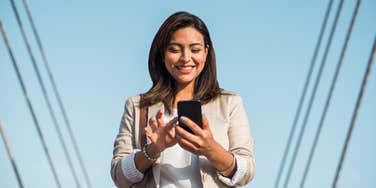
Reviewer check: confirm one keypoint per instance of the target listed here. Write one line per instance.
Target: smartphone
(192, 110)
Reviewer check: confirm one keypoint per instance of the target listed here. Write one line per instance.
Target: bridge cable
(329, 97)
(302, 97)
(313, 94)
(57, 94)
(11, 156)
(355, 114)
(31, 109)
(45, 95)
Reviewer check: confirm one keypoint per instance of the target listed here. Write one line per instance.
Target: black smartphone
(192, 110)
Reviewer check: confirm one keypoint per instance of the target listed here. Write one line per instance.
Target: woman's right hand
(162, 135)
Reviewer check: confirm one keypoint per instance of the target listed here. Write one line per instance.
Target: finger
(171, 123)
(159, 117)
(148, 133)
(185, 144)
(171, 133)
(169, 127)
(153, 124)
(205, 122)
(187, 136)
(192, 125)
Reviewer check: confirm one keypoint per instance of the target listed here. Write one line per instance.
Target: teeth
(185, 67)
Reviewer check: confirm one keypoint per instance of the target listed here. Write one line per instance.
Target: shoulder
(132, 102)
(226, 101)
(225, 105)
(134, 99)
(229, 97)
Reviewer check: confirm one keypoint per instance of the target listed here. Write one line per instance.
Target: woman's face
(185, 55)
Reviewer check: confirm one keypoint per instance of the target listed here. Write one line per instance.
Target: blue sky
(98, 51)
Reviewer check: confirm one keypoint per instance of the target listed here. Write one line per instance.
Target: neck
(184, 92)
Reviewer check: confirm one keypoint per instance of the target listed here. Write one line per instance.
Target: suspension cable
(11, 156)
(45, 95)
(31, 109)
(302, 97)
(313, 94)
(329, 97)
(355, 114)
(57, 94)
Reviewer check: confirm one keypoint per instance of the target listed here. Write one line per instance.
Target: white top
(179, 167)
(183, 172)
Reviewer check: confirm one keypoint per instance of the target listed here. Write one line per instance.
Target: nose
(186, 56)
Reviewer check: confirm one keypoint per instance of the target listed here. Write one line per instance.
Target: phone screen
(192, 110)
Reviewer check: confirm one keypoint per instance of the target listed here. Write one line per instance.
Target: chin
(184, 80)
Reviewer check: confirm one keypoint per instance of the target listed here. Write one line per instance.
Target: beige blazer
(227, 120)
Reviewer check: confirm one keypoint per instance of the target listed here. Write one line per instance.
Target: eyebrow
(180, 45)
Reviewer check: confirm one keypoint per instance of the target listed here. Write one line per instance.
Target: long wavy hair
(164, 85)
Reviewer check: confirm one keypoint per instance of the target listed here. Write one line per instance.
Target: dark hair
(164, 89)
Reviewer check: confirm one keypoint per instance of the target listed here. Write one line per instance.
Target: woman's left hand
(202, 143)
(199, 143)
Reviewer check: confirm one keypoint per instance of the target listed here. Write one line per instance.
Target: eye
(173, 50)
(195, 50)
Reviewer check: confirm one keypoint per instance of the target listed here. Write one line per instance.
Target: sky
(98, 52)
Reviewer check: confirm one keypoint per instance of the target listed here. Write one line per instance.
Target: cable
(56, 92)
(302, 97)
(31, 109)
(329, 97)
(317, 81)
(10, 154)
(355, 114)
(45, 95)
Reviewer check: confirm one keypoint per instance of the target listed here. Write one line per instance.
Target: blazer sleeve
(240, 139)
(123, 144)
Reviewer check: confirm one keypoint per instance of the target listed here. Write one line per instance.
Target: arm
(127, 168)
(240, 139)
(123, 145)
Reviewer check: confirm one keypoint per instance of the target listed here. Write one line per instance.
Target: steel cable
(30, 107)
(313, 94)
(329, 97)
(302, 97)
(57, 94)
(11, 156)
(45, 95)
(355, 114)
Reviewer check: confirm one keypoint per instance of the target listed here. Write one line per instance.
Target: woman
(182, 66)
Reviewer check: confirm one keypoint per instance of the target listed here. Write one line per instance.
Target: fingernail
(182, 118)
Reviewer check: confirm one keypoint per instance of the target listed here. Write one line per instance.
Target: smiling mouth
(184, 67)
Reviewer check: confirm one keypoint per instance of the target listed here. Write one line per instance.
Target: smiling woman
(219, 153)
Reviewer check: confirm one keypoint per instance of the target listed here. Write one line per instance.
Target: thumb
(171, 123)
